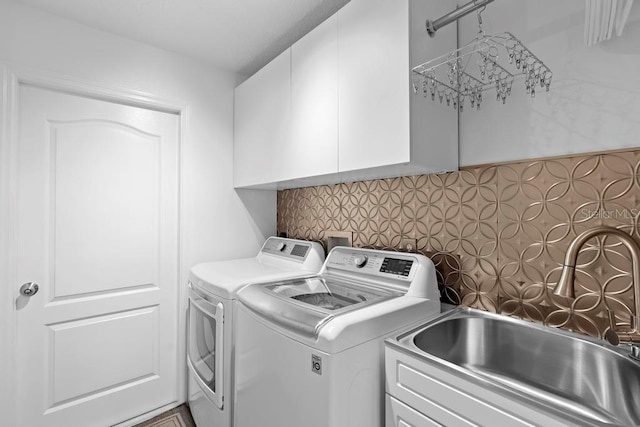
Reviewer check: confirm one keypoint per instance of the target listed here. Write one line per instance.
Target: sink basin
(564, 371)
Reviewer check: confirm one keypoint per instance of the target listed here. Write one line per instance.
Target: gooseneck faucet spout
(565, 285)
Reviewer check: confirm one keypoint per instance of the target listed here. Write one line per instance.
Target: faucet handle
(610, 334)
(633, 321)
(635, 352)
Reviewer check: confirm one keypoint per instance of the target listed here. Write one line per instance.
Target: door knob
(29, 289)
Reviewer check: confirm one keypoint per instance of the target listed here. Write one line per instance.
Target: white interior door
(98, 232)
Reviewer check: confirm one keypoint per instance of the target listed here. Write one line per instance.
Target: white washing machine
(212, 294)
(310, 351)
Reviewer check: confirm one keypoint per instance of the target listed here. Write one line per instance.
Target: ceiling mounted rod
(433, 26)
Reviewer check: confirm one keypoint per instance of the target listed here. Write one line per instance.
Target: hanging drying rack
(466, 73)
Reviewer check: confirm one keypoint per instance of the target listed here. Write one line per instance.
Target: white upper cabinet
(314, 102)
(262, 124)
(381, 122)
(373, 74)
(338, 105)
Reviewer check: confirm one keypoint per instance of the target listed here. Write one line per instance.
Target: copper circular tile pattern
(497, 233)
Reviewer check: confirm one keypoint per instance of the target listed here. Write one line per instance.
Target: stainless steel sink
(566, 372)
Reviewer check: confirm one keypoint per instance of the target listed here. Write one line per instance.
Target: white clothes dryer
(212, 291)
(310, 351)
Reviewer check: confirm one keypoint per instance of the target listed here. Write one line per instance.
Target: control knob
(281, 246)
(360, 261)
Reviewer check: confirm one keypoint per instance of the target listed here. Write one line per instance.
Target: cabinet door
(262, 123)
(314, 100)
(373, 82)
(434, 127)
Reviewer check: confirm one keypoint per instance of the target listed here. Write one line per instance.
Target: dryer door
(205, 346)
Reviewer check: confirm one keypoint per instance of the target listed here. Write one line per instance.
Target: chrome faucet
(565, 287)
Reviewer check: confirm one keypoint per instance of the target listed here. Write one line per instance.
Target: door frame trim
(11, 77)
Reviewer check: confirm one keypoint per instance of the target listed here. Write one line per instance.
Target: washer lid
(306, 304)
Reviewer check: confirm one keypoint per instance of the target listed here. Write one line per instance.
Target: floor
(177, 417)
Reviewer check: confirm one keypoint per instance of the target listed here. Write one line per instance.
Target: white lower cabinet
(421, 394)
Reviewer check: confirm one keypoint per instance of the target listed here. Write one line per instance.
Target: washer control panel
(379, 263)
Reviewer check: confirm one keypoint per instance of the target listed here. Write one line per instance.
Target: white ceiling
(236, 35)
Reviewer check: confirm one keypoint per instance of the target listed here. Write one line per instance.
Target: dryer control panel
(288, 248)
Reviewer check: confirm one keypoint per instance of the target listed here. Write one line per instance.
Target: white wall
(216, 222)
(594, 101)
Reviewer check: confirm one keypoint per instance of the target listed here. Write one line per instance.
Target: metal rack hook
(435, 25)
(479, 10)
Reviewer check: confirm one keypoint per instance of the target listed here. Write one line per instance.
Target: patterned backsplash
(497, 233)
